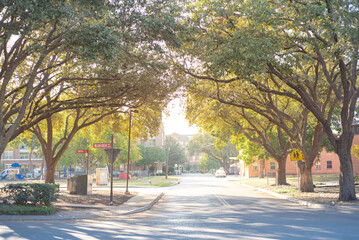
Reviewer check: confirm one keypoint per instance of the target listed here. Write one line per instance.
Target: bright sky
(176, 121)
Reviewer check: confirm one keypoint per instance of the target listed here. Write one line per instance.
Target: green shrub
(26, 210)
(32, 194)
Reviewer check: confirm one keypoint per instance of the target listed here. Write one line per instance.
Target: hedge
(35, 194)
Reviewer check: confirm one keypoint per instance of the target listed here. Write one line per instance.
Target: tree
(150, 155)
(55, 138)
(177, 153)
(221, 152)
(206, 162)
(256, 114)
(307, 51)
(226, 121)
(50, 49)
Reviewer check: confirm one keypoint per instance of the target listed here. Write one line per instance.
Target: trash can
(101, 176)
(81, 184)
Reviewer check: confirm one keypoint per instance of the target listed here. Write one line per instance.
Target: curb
(145, 208)
(111, 212)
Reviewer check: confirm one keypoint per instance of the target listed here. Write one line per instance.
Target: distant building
(21, 155)
(325, 163)
(157, 141)
(193, 160)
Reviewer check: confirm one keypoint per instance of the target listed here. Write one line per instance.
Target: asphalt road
(202, 207)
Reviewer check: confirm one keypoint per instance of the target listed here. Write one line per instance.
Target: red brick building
(326, 163)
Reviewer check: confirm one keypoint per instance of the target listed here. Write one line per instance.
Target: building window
(272, 165)
(318, 164)
(255, 166)
(329, 165)
(8, 155)
(24, 155)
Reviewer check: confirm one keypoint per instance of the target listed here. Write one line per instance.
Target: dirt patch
(98, 198)
(324, 195)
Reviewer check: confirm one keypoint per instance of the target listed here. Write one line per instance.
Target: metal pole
(111, 162)
(128, 153)
(168, 155)
(88, 162)
(298, 178)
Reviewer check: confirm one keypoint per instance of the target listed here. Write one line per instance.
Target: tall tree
(256, 114)
(177, 152)
(50, 48)
(150, 155)
(308, 51)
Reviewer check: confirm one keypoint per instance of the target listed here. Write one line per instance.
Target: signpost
(81, 151)
(102, 145)
(112, 155)
(296, 155)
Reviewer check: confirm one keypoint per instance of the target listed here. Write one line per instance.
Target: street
(201, 207)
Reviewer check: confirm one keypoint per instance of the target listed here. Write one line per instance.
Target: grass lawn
(160, 181)
(155, 181)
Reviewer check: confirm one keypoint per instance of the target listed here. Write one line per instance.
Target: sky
(176, 121)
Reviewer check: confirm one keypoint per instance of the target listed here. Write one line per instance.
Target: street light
(129, 149)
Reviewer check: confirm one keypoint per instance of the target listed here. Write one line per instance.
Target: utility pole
(111, 161)
(168, 156)
(129, 150)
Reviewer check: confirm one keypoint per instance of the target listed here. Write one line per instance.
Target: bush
(32, 194)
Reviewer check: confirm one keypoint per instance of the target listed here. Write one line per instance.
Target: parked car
(220, 173)
(123, 175)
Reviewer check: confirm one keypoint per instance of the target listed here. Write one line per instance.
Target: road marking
(224, 202)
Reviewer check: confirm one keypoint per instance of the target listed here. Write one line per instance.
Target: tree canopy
(307, 51)
(69, 54)
(213, 148)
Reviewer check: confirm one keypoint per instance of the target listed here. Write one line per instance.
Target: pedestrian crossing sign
(296, 155)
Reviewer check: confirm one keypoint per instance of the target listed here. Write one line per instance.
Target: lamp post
(129, 150)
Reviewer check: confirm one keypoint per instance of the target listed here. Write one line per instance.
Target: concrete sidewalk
(138, 203)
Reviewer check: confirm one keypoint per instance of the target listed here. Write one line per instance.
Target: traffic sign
(296, 155)
(81, 151)
(116, 151)
(102, 145)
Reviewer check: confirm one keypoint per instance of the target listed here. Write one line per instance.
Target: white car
(220, 173)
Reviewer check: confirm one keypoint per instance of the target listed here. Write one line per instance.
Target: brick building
(326, 163)
(21, 155)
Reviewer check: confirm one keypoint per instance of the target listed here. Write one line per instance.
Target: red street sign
(81, 151)
(102, 145)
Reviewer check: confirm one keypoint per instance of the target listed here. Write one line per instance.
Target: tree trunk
(280, 178)
(261, 168)
(346, 177)
(50, 172)
(306, 179)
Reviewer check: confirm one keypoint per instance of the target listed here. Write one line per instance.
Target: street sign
(81, 151)
(116, 151)
(296, 155)
(102, 145)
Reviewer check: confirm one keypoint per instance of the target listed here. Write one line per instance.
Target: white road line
(224, 202)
